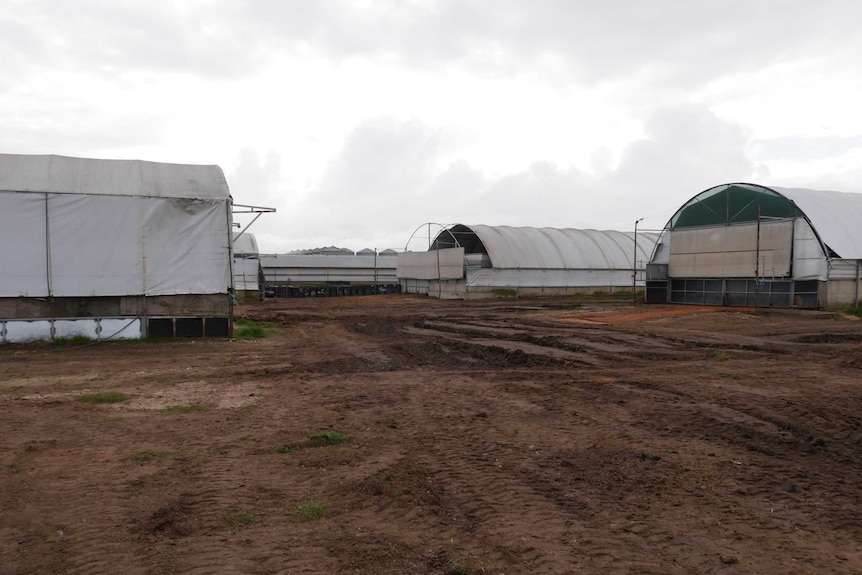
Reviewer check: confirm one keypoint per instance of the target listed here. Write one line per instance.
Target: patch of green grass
(855, 310)
(14, 468)
(330, 437)
(308, 511)
(239, 518)
(104, 397)
(144, 456)
(505, 292)
(719, 355)
(286, 449)
(250, 332)
(186, 407)
(245, 328)
(456, 567)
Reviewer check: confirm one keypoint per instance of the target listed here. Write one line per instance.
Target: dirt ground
(503, 437)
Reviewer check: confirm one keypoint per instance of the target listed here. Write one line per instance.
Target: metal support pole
(858, 273)
(635, 263)
(757, 262)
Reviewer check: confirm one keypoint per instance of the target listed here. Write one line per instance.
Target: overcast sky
(360, 121)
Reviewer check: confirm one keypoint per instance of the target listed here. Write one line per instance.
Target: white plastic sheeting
(570, 249)
(246, 265)
(23, 245)
(65, 175)
(246, 274)
(836, 216)
(732, 251)
(808, 259)
(550, 278)
(286, 269)
(436, 264)
(69, 245)
(245, 245)
(72, 227)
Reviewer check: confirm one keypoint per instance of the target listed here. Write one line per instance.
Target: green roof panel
(733, 203)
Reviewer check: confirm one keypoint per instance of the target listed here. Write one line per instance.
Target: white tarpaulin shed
(555, 248)
(246, 264)
(531, 261)
(89, 228)
(744, 244)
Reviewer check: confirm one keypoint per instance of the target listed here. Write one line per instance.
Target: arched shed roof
(246, 244)
(836, 217)
(66, 175)
(549, 248)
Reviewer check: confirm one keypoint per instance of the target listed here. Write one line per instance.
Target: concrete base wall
(128, 317)
(25, 331)
(841, 293)
(206, 305)
(460, 290)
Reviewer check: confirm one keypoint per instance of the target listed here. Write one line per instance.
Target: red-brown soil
(504, 437)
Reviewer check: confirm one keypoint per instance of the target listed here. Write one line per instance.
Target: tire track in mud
(578, 344)
(598, 450)
(629, 464)
(470, 478)
(556, 496)
(200, 515)
(88, 542)
(711, 420)
(756, 459)
(652, 546)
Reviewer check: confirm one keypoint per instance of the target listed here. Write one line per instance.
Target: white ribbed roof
(835, 216)
(554, 248)
(65, 175)
(246, 244)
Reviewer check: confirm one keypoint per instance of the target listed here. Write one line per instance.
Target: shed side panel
(95, 245)
(731, 251)
(808, 260)
(23, 258)
(435, 264)
(186, 246)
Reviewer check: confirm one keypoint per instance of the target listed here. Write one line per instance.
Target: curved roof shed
(749, 244)
(549, 248)
(467, 261)
(836, 217)
(245, 245)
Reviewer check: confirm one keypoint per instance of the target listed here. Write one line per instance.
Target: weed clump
(308, 511)
(719, 356)
(245, 328)
(330, 437)
(105, 397)
(239, 518)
